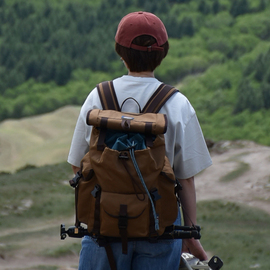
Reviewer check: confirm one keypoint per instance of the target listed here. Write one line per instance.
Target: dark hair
(139, 61)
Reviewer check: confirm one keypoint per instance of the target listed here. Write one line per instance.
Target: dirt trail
(251, 187)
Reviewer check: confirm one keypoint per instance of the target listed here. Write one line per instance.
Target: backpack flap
(146, 123)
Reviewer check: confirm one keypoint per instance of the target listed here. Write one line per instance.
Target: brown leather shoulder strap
(107, 96)
(159, 98)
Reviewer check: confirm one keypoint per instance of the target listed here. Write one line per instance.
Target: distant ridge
(37, 140)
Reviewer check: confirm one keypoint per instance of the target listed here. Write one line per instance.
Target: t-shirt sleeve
(79, 145)
(81, 137)
(191, 153)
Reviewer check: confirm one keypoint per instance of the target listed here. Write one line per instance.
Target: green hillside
(37, 140)
(52, 53)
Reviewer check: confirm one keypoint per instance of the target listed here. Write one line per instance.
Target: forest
(53, 53)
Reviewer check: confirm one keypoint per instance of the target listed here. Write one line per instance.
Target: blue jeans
(142, 255)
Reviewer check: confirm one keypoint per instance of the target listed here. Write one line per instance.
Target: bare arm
(188, 202)
(75, 169)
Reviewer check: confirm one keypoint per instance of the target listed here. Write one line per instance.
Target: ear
(124, 63)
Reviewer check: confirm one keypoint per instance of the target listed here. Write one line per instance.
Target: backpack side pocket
(167, 206)
(86, 201)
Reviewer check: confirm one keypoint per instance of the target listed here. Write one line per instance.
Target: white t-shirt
(185, 144)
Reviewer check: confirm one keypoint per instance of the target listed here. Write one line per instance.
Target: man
(142, 44)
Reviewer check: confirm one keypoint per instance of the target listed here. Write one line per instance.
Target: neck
(142, 74)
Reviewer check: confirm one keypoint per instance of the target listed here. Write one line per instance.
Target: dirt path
(36, 262)
(251, 187)
(28, 252)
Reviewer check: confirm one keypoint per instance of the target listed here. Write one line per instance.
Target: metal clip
(95, 191)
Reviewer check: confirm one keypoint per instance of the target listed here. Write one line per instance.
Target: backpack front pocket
(118, 211)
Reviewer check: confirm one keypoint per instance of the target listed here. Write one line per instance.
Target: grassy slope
(37, 140)
(44, 190)
(33, 204)
(239, 235)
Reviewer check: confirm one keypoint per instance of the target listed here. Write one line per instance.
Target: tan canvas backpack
(126, 186)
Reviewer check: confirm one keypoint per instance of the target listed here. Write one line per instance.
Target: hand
(195, 248)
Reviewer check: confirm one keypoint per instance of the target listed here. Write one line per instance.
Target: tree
(86, 22)
(2, 3)
(259, 68)
(248, 98)
(204, 8)
(23, 9)
(266, 95)
(3, 76)
(47, 10)
(262, 5)
(140, 3)
(150, 6)
(173, 27)
(259, 71)
(33, 67)
(187, 27)
(216, 7)
(239, 7)
(180, 1)
(63, 68)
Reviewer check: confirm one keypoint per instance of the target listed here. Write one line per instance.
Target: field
(37, 140)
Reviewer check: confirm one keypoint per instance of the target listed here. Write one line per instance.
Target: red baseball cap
(141, 23)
